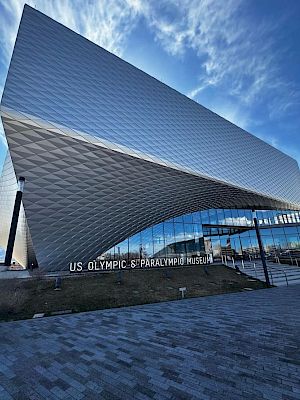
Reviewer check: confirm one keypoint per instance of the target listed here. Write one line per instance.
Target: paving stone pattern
(236, 346)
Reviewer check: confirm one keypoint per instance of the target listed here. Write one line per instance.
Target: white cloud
(106, 22)
(9, 22)
(235, 54)
(232, 55)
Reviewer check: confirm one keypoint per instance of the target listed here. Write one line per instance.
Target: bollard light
(182, 290)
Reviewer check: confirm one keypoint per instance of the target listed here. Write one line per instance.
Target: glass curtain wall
(222, 233)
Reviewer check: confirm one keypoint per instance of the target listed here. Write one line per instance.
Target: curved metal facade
(108, 150)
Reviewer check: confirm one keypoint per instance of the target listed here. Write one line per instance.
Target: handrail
(287, 283)
(255, 270)
(281, 270)
(269, 267)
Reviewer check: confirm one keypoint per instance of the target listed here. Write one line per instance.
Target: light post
(261, 248)
(14, 222)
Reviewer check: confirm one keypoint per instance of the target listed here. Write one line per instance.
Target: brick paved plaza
(234, 346)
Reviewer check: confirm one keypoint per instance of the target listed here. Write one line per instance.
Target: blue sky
(239, 58)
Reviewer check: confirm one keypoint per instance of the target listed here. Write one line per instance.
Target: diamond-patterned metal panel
(107, 150)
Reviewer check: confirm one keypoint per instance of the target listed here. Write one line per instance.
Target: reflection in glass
(186, 236)
(147, 243)
(159, 240)
(121, 250)
(135, 247)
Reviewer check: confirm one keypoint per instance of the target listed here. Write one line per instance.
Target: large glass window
(280, 243)
(235, 217)
(268, 244)
(288, 230)
(216, 248)
(185, 235)
(179, 232)
(278, 231)
(248, 216)
(293, 242)
(135, 246)
(220, 217)
(188, 219)
(159, 240)
(265, 232)
(246, 246)
(169, 239)
(147, 243)
(207, 245)
(212, 217)
(169, 233)
(196, 217)
(121, 250)
(189, 232)
(228, 217)
(204, 217)
(236, 246)
(179, 218)
(180, 239)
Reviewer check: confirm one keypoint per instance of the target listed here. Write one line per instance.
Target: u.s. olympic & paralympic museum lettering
(104, 265)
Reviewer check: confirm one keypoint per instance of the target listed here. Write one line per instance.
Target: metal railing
(274, 271)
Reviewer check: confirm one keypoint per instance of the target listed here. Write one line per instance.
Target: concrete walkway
(237, 346)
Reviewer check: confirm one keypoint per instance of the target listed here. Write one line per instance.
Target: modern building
(110, 153)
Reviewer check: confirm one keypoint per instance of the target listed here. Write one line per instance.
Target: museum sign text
(106, 265)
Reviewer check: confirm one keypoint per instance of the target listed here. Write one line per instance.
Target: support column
(14, 223)
(261, 248)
